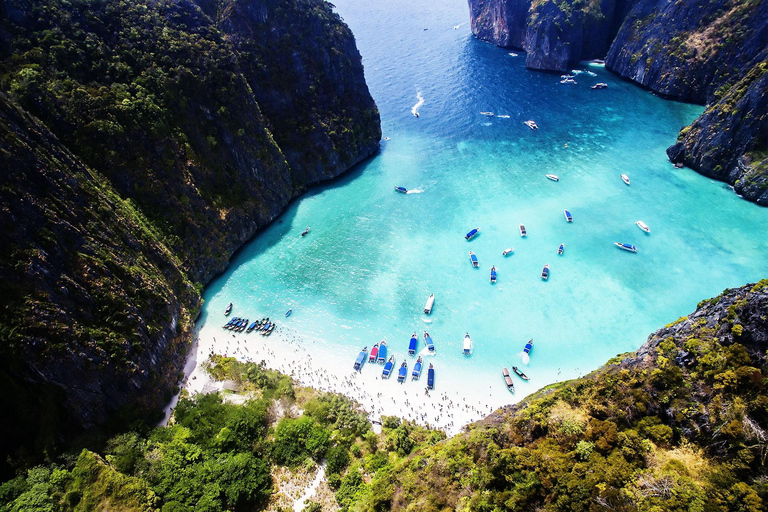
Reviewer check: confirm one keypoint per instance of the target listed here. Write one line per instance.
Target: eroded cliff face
(148, 159)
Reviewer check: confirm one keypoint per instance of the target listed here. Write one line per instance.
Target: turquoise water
(373, 256)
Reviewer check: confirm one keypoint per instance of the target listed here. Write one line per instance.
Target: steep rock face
(729, 141)
(92, 301)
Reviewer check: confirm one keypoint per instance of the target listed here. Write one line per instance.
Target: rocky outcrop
(156, 138)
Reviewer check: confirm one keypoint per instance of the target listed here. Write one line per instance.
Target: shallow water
(373, 256)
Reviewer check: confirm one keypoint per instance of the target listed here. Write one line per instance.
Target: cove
(373, 256)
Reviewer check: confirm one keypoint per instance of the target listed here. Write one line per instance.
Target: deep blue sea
(373, 256)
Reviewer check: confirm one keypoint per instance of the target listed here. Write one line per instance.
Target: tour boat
(531, 124)
(489, 114)
(561, 249)
(643, 226)
(512, 54)
(428, 342)
(288, 313)
(545, 272)
(416, 373)
(361, 358)
(402, 373)
(473, 259)
(625, 178)
(382, 352)
(467, 345)
(431, 377)
(552, 177)
(429, 304)
(568, 216)
(387, 371)
(523, 232)
(304, 233)
(520, 373)
(252, 327)
(374, 353)
(472, 234)
(269, 331)
(229, 310)
(402, 190)
(626, 247)
(507, 251)
(508, 380)
(568, 81)
(528, 346)
(412, 344)
(503, 116)
(600, 85)
(493, 274)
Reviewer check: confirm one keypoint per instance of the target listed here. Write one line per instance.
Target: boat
(382, 352)
(625, 178)
(269, 331)
(416, 373)
(600, 85)
(566, 76)
(304, 233)
(402, 190)
(467, 345)
(412, 344)
(402, 373)
(626, 247)
(493, 274)
(545, 272)
(489, 114)
(361, 358)
(265, 328)
(387, 371)
(552, 177)
(561, 249)
(520, 373)
(288, 313)
(531, 124)
(528, 346)
(642, 225)
(473, 259)
(229, 310)
(523, 232)
(503, 116)
(568, 81)
(507, 251)
(430, 303)
(512, 54)
(428, 342)
(472, 234)
(431, 377)
(568, 216)
(374, 353)
(508, 380)
(252, 327)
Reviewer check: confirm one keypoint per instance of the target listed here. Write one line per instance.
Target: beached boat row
(389, 365)
(263, 326)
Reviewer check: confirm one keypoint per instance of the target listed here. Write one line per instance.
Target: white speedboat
(430, 303)
(600, 85)
(489, 114)
(473, 259)
(625, 178)
(467, 345)
(568, 216)
(625, 247)
(642, 225)
(523, 232)
(531, 124)
(545, 272)
(507, 251)
(552, 177)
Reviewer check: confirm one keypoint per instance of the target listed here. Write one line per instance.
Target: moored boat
(402, 373)
(489, 114)
(428, 342)
(412, 344)
(361, 359)
(473, 233)
(642, 225)
(552, 177)
(568, 216)
(626, 247)
(252, 327)
(416, 373)
(545, 272)
(374, 353)
(528, 346)
(493, 274)
(430, 303)
(382, 352)
(304, 233)
(467, 345)
(561, 249)
(473, 259)
(402, 190)
(508, 380)
(520, 373)
(288, 313)
(523, 231)
(269, 331)
(431, 377)
(388, 367)
(600, 85)
(531, 124)
(507, 251)
(229, 310)
(625, 178)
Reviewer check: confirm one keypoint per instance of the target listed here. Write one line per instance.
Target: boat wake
(525, 357)
(417, 106)
(415, 191)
